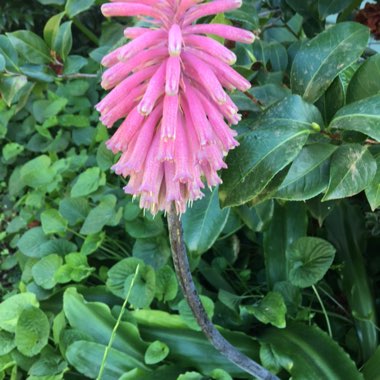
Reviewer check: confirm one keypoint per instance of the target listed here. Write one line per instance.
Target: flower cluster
(169, 86)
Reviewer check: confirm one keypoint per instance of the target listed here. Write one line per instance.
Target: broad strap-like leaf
(273, 143)
(320, 60)
(362, 116)
(310, 353)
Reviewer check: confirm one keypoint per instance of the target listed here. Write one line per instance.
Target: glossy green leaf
(327, 7)
(52, 27)
(366, 80)
(12, 150)
(92, 243)
(31, 46)
(32, 331)
(9, 53)
(74, 7)
(271, 309)
(346, 230)
(86, 183)
(352, 169)
(361, 116)
(2, 63)
(309, 259)
(203, 223)
(156, 352)
(31, 242)
(308, 351)
(373, 190)
(309, 173)
(254, 164)
(12, 307)
(320, 60)
(11, 86)
(153, 251)
(64, 40)
(53, 222)
(74, 210)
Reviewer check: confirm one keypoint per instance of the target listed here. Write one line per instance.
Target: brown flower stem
(190, 293)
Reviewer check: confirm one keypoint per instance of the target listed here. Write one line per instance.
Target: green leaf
(271, 309)
(203, 223)
(308, 350)
(373, 190)
(32, 331)
(153, 251)
(86, 183)
(11, 86)
(144, 228)
(120, 277)
(320, 60)
(9, 53)
(45, 109)
(309, 174)
(64, 40)
(87, 356)
(53, 222)
(92, 243)
(371, 369)
(44, 270)
(99, 216)
(32, 47)
(346, 229)
(269, 359)
(166, 284)
(187, 315)
(37, 172)
(190, 376)
(361, 116)
(74, 210)
(12, 307)
(74, 7)
(7, 343)
(2, 63)
(83, 316)
(156, 352)
(352, 169)
(284, 128)
(327, 7)
(366, 80)
(309, 259)
(12, 150)
(51, 28)
(31, 241)
(289, 223)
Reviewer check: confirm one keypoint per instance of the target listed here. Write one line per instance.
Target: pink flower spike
(153, 92)
(225, 31)
(169, 83)
(173, 76)
(175, 41)
(169, 118)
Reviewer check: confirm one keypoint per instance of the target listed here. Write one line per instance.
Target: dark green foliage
(284, 253)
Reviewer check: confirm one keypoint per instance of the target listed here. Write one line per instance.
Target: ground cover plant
(284, 252)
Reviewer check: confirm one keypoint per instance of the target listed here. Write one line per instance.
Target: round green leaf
(166, 284)
(7, 343)
(156, 352)
(53, 222)
(12, 307)
(32, 331)
(44, 270)
(309, 259)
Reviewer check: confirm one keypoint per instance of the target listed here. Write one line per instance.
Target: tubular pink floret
(169, 84)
